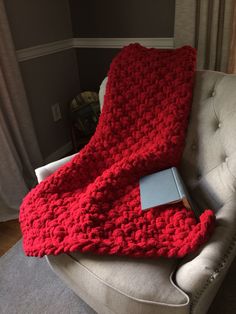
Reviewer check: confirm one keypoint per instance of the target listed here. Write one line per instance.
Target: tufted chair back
(209, 160)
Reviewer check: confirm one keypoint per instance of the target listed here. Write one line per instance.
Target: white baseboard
(62, 45)
(59, 153)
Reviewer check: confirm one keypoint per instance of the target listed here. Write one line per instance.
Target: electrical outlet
(56, 112)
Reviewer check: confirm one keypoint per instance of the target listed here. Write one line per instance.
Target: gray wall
(49, 79)
(112, 18)
(123, 18)
(55, 78)
(35, 22)
(93, 66)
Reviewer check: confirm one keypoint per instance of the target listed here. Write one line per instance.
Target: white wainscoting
(62, 45)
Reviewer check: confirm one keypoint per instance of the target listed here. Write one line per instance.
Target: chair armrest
(45, 171)
(102, 91)
(196, 275)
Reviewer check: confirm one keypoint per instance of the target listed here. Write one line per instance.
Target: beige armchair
(163, 286)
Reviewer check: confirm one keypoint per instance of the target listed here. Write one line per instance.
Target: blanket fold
(92, 203)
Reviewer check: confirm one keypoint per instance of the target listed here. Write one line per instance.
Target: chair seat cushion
(123, 285)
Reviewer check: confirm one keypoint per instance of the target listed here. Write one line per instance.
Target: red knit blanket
(92, 204)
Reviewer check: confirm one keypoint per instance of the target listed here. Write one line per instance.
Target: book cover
(164, 187)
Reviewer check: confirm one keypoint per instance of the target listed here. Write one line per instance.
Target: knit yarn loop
(92, 203)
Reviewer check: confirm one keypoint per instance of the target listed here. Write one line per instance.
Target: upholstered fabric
(102, 91)
(123, 285)
(209, 159)
(208, 168)
(47, 170)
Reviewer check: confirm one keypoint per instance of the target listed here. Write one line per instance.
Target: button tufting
(199, 176)
(213, 93)
(194, 147)
(219, 125)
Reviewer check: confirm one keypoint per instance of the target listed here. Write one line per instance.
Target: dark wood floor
(9, 234)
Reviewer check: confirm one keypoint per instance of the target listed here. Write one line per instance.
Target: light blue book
(164, 187)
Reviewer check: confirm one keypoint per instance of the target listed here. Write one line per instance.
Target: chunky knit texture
(92, 204)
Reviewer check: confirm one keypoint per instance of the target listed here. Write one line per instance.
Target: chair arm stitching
(213, 276)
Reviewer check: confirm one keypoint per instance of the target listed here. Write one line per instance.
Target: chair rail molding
(121, 42)
(44, 49)
(62, 45)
